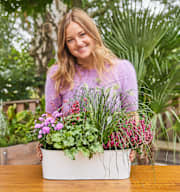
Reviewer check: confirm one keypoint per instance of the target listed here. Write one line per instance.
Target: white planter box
(108, 165)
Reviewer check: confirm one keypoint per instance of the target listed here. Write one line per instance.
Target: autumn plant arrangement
(93, 124)
(73, 133)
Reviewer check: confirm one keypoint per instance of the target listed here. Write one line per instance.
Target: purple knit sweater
(122, 74)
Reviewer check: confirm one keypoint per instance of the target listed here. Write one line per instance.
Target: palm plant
(134, 34)
(151, 41)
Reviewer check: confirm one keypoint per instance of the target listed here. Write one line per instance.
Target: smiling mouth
(82, 49)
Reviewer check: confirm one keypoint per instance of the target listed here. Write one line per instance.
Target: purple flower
(52, 121)
(56, 114)
(58, 126)
(41, 119)
(39, 136)
(37, 126)
(45, 130)
(49, 119)
(46, 123)
(44, 115)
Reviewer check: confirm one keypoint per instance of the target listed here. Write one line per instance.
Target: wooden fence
(21, 105)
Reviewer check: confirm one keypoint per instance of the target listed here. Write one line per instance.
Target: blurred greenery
(17, 75)
(17, 71)
(19, 125)
(30, 7)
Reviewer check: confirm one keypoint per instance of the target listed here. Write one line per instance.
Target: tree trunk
(44, 43)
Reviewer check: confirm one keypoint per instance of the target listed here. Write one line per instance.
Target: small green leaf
(69, 142)
(56, 137)
(85, 151)
(57, 146)
(90, 138)
(71, 153)
(97, 148)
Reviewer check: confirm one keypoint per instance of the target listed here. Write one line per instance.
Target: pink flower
(117, 144)
(112, 143)
(37, 126)
(45, 130)
(41, 119)
(58, 126)
(49, 119)
(39, 136)
(56, 114)
(46, 123)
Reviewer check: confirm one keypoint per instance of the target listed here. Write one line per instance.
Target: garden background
(147, 33)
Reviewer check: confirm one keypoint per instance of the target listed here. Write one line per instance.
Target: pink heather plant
(129, 135)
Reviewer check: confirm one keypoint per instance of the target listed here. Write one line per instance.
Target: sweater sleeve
(52, 100)
(129, 98)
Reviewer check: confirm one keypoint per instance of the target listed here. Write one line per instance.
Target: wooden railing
(21, 105)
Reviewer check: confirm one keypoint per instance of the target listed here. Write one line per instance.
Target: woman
(83, 58)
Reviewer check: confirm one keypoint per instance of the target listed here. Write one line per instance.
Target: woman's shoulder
(52, 70)
(123, 65)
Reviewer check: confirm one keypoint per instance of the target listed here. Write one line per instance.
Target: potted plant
(92, 140)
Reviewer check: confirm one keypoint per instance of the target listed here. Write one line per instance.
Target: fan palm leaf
(134, 34)
(151, 41)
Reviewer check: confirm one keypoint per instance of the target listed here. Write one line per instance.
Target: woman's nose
(79, 42)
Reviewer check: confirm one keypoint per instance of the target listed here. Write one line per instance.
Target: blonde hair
(66, 61)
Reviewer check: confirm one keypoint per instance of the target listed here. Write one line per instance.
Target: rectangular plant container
(112, 164)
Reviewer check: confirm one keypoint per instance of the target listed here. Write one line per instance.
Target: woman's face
(79, 43)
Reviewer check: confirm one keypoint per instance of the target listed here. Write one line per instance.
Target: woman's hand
(132, 155)
(39, 152)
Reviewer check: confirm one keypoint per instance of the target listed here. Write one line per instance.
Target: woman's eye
(69, 40)
(82, 34)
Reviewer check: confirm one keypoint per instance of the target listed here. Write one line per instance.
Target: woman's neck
(86, 63)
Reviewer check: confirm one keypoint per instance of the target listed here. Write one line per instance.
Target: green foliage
(6, 32)
(31, 7)
(17, 71)
(40, 109)
(169, 3)
(19, 127)
(3, 121)
(151, 41)
(17, 75)
(134, 34)
(78, 135)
